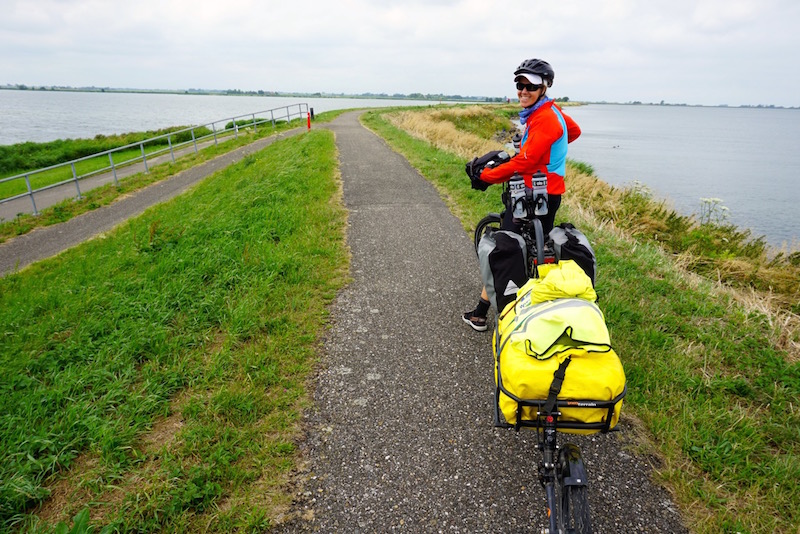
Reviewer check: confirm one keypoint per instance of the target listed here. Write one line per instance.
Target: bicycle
(562, 472)
(538, 252)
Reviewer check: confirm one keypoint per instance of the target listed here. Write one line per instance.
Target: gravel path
(400, 436)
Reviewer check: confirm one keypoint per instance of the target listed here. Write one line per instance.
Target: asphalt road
(400, 435)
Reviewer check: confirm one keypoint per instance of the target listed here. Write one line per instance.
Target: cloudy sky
(681, 51)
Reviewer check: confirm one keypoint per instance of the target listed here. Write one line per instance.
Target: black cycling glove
(474, 173)
(476, 166)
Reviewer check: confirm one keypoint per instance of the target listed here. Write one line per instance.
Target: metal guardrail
(272, 116)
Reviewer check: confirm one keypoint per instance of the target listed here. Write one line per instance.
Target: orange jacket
(544, 148)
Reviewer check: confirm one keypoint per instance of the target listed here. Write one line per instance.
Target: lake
(747, 157)
(41, 116)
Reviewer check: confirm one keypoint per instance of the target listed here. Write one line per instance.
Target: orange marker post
(309, 120)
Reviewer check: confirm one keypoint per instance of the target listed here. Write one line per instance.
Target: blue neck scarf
(526, 112)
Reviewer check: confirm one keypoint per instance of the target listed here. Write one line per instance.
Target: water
(41, 116)
(747, 157)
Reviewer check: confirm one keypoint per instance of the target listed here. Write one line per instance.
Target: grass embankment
(715, 382)
(65, 150)
(26, 157)
(154, 376)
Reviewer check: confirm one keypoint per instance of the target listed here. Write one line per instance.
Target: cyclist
(546, 132)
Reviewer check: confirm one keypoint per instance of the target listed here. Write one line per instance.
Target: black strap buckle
(555, 386)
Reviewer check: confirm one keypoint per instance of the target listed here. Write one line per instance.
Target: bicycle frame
(555, 464)
(547, 465)
(531, 230)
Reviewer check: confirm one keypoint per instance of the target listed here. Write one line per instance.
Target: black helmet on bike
(539, 67)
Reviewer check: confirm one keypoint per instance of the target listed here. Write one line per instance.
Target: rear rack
(602, 426)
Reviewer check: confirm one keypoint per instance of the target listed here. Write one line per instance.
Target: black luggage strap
(555, 386)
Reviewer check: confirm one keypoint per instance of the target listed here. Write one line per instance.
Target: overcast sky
(681, 51)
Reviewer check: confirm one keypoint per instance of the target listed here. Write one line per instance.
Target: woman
(547, 131)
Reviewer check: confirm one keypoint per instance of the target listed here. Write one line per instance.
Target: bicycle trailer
(552, 343)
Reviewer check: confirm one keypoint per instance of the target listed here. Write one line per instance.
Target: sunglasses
(529, 86)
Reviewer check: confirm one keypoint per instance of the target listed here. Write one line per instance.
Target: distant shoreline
(371, 96)
(237, 92)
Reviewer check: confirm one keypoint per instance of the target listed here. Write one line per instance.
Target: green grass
(707, 245)
(200, 316)
(102, 196)
(707, 378)
(25, 157)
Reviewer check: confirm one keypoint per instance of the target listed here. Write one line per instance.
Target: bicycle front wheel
(575, 518)
(574, 510)
(490, 221)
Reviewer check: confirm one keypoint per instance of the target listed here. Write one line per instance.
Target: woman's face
(526, 97)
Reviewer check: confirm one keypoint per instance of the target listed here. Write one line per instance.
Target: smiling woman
(543, 151)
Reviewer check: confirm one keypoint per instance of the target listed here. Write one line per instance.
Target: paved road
(49, 241)
(400, 437)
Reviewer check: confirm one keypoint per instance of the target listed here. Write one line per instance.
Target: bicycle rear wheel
(490, 221)
(574, 510)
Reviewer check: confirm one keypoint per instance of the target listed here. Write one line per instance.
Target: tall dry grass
(763, 279)
(437, 128)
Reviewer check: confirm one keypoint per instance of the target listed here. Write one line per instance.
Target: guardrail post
(255, 126)
(194, 140)
(214, 129)
(144, 159)
(272, 117)
(30, 193)
(113, 169)
(75, 177)
(235, 129)
(171, 152)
